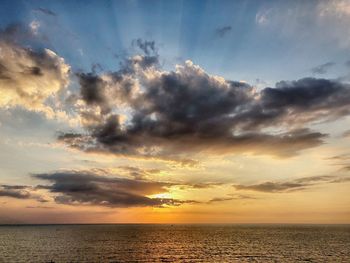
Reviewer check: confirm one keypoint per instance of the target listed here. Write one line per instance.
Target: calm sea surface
(174, 243)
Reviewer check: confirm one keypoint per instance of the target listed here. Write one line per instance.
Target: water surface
(175, 243)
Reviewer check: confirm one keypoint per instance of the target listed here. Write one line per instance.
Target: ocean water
(175, 243)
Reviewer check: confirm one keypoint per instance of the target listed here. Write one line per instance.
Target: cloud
(139, 173)
(16, 33)
(342, 160)
(263, 17)
(29, 77)
(298, 103)
(272, 187)
(315, 25)
(337, 8)
(322, 69)
(223, 31)
(19, 192)
(148, 47)
(45, 11)
(92, 89)
(34, 26)
(91, 188)
(144, 111)
(39, 207)
(293, 185)
(229, 198)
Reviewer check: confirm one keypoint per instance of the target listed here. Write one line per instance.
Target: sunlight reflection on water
(174, 243)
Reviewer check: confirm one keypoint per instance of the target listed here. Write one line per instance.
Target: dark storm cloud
(222, 31)
(89, 188)
(322, 69)
(293, 185)
(45, 11)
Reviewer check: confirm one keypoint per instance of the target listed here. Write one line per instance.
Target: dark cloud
(23, 35)
(322, 69)
(298, 102)
(173, 114)
(45, 11)
(15, 33)
(20, 192)
(13, 187)
(272, 187)
(223, 31)
(89, 188)
(230, 198)
(14, 193)
(221, 199)
(92, 89)
(148, 47)
(293, 185)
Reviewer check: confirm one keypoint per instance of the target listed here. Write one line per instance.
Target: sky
(174, 111)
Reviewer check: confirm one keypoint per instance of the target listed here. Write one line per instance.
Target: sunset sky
(175, 111)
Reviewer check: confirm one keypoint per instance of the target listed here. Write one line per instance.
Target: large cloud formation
(29, 77)
(142, 110)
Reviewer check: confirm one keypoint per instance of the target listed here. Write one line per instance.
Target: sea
(174, 243)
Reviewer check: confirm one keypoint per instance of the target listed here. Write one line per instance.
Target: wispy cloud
(230, 198)
(45, 11)
(322, 69)
(223, 31)
(293, 185)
